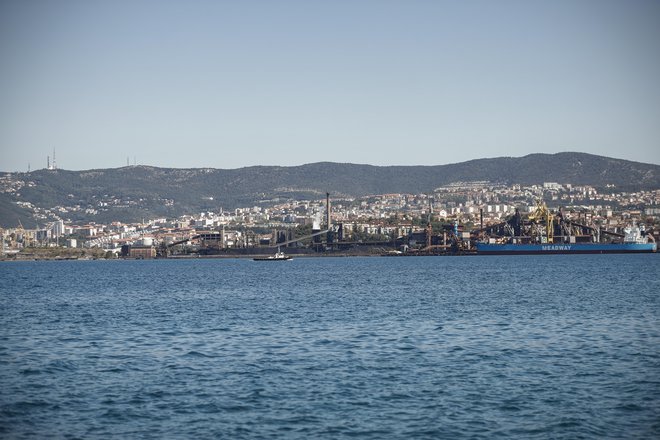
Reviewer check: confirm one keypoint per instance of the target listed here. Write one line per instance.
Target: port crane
(543, 226)
(543, 220)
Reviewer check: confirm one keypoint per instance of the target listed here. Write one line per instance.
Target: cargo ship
(546, 233)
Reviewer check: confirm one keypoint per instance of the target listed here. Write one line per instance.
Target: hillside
(132, 193)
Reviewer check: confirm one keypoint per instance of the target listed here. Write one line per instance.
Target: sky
(229, 84)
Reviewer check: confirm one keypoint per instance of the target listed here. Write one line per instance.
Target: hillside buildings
(382, 217)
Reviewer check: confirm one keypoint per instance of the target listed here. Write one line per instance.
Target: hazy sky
(228, 84)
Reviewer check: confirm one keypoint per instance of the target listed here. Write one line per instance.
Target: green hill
(132, 193)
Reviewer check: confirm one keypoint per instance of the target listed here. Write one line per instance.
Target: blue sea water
(527, 347)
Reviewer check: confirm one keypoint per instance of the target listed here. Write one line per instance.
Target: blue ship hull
(565, 248)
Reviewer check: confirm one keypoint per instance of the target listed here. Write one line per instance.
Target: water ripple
(331, 348)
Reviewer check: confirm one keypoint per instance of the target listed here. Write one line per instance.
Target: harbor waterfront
(579, 248)
(534, 346)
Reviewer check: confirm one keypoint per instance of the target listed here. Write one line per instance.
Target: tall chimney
(327, 212)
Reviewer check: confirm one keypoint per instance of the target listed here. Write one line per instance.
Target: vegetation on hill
(136, 192)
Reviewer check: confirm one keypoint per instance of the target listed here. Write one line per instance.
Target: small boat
(279, 256)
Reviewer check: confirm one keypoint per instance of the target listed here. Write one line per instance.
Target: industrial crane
(541, 215)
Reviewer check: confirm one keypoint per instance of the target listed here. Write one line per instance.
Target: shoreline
(233, 256)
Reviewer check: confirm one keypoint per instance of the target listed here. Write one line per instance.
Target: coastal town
(444, 219)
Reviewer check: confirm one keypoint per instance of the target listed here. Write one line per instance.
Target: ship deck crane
(542, 214)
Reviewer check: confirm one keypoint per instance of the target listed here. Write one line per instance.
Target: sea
(466, 347)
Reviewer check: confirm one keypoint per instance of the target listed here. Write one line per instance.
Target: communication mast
(49, 165)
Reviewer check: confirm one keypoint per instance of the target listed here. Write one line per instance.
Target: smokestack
(327, 212)
(430, 210)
